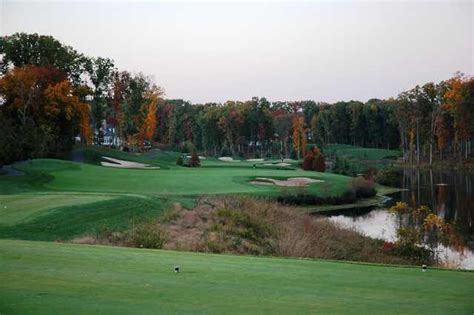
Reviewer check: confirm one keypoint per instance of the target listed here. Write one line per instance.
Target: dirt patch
(290, 182)
(126, 164)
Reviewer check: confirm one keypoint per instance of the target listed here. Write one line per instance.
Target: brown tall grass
(243, 225)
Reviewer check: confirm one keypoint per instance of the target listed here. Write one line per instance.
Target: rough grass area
(242, 225)
(53, 278)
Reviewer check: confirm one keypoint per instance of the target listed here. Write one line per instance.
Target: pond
(449, 194)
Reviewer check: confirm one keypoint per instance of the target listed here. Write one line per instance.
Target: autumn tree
(148, 126)
(67, 113)
(40, 104)
(299, 136)
(21, 49)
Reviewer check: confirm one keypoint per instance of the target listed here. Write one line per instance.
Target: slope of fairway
(21, 208)
(67, 222)
(52, 278)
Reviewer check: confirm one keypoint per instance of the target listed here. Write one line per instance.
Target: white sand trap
(255, 160)
(277, 164)
(200, 157)
(228, 159)
(126, 164)
(290, 182)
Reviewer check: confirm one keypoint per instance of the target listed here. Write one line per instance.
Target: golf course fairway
(55, 278)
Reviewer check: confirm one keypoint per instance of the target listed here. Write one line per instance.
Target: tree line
(50, 94)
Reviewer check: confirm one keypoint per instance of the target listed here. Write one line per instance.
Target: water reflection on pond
(451, 196)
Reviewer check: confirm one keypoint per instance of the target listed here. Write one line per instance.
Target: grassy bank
(52, 278)
(58, 200)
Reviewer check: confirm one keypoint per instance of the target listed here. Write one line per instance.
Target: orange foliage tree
(299, 136)
(149, 110)
(62, 104)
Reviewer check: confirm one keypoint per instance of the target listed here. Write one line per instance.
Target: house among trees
(111, 137)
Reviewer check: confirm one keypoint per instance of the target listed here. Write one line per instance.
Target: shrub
(388, 177)
(180, 161)
(344, 167)
(370, 173)
(314, 161)
(194, 161)
(225, 151)
(308, 162)
(319, 163)
(299, 196)
(147, 235)
(363, 188)
(242, 225)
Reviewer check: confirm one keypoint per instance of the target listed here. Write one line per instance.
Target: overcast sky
(323, 51)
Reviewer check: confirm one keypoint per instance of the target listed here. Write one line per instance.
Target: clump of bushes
(314, 161)
(194, 160)
(344, 167)
(242, 232)
(180, 161)
(299, 196)
(363, 188)
(147, 235)
(225, 151)
(388, 177)
(420, 241)
(243, 225)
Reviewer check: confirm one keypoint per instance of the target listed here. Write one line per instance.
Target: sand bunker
(255, 160)
(290, 182)
(228, 159)
(200, 157)
(126, 164)
(277, 164)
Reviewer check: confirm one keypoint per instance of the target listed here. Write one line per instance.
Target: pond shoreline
(379, 199)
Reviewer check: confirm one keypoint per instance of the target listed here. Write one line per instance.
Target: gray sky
(213, 51)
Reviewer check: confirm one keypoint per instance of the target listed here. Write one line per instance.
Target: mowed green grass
(71, 221)
(80, 177)
(54, 278)
(20, 208)
(61, 200)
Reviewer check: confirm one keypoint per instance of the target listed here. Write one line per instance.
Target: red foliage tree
(314, 161)
(194, 161)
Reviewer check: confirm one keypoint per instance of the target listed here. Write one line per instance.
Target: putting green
(54, 278)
